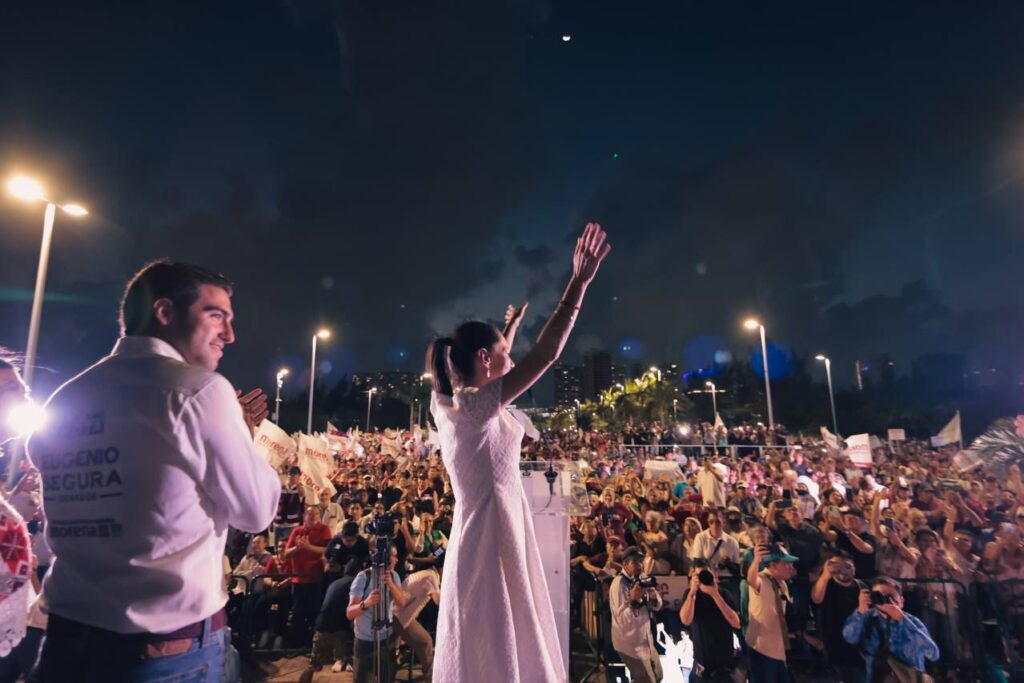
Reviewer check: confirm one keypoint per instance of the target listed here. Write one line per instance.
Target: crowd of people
(796, 557)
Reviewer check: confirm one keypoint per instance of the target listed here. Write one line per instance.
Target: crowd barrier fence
(979, 630)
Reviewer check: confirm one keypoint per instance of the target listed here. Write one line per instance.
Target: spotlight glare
(26, 418)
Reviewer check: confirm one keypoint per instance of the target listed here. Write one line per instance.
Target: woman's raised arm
(586, 259)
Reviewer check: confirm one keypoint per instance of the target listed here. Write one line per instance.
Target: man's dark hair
(163, 279)
(350, 528)
(892, 583)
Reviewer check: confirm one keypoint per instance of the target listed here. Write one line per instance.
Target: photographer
(837, 594)
(893, 641)
(345, 546)
(632, 599)
(363, 598)
(712, 621)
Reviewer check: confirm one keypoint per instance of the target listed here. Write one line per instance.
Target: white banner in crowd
(273, 443)
(662, 469)
(673, 590)
(830, 439)
(858, 449)
(897, 435)
(949, 434)
(876, 442)
(316, 463)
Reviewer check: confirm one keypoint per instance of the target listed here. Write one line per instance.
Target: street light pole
(277, 398)
(831, 394)
(675, 410)
(37, 297)
(29, 190)
(321, 334)
(714, 398)
(752, 325)
(369, 405)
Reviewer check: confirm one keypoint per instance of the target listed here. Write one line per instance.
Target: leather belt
(62, 626)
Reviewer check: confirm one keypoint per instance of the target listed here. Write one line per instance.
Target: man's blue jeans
(87, 659)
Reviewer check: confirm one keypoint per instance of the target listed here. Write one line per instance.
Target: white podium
(552, 507)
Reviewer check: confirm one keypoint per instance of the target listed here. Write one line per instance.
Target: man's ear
(163, 311)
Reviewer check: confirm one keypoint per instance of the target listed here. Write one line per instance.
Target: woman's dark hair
(163, 279)
(468, 338)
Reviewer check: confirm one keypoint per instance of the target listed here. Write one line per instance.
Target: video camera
(382, 527)
(643, 580)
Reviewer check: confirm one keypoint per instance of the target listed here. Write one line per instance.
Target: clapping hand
(254, 407)
(590, 251)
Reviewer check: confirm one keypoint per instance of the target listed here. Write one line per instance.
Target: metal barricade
(245, 610)
(1000, 609)
(948, 610)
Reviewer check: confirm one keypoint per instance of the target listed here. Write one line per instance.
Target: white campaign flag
(718, 420)
(830, 439)
(391, 443)
(950, 433)
(331, 429)
(316, 464)
(662, 469)
(876, 442)
(858, 449)
(273, 443)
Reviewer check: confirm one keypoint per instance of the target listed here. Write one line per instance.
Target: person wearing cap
(746, 500)
(767, 633)
(333, 639)
(631, 606)
(290, 506)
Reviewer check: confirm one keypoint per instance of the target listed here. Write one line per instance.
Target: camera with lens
(643, 580)
(382, 524)
(879, 598)
(706, 577)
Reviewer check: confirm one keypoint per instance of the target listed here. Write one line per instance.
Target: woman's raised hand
(590, 251)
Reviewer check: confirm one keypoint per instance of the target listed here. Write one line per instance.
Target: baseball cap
(632, 553)
(778, 553)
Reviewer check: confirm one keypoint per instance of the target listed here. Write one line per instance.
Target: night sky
(852, 175)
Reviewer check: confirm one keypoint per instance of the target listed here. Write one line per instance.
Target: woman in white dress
(495, 621)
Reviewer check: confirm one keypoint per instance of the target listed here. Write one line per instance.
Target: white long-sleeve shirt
(631, 626)
(145, 462)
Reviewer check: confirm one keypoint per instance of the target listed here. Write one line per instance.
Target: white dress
(495, 619)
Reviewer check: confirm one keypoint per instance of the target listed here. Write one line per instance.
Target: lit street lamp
(281, 374)
(369, 405)
(714, 398)
(831, 396)
(675, 410)
(29, 190)
(321, 334)
(753, 324)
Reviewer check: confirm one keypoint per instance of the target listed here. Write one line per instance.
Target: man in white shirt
(146, 461)
(631, 605)
(711, 485)
(720, 550)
